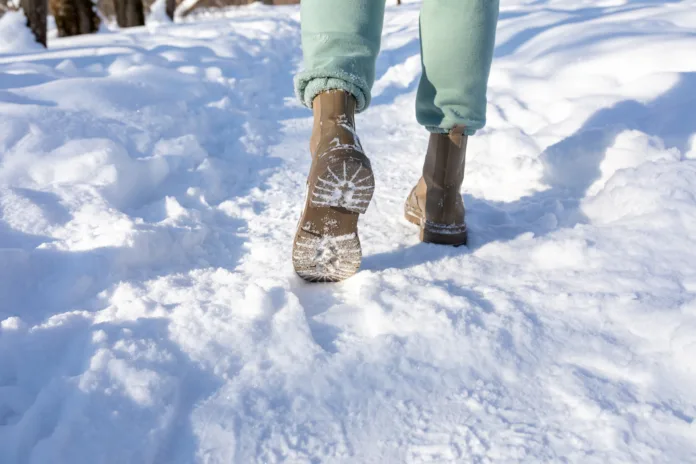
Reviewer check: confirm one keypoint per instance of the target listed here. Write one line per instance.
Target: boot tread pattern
(347, 184)
(327, 258)
(327, 247)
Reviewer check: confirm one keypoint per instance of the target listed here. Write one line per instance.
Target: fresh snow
(150, 184)
(15, 36)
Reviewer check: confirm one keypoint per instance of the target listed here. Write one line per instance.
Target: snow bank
(15, 36)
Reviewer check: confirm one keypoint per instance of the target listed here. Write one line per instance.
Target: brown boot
(339, 189)
(435, 203)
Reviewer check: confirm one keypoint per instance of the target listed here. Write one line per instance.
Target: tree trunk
(74, 17)
(129, 13)
(36, 12)
(171, 6)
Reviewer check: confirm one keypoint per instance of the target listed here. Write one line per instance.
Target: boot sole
(453, 237)
(327, 246)
(347, 184)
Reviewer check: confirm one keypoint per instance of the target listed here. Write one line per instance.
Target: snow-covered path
(150, 182)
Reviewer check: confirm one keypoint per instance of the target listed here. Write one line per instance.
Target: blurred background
(74, 17)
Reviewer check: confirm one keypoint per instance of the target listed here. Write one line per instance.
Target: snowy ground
(150, 182)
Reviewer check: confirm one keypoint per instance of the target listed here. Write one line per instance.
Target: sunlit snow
(150, 185)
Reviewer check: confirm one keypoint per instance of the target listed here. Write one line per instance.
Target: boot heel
(326, 258)
(346, 183)
(455, 236)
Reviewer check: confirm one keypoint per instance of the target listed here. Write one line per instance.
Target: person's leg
(340, 42)
(457, 41)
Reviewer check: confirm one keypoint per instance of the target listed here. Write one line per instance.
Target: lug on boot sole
(347, 184)
(437, 234)
(327, 247)
(326, 258)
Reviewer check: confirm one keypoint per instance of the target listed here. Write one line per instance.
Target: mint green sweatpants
(341, 40)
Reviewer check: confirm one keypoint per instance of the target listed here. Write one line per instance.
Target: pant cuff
(442, 130)
(309, 84)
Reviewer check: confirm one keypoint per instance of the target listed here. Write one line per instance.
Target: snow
(150, 184)
(158, 13)
(14, 35)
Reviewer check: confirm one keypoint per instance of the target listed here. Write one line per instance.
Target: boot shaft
(445, 159)
(435, 203)
(334, 122)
